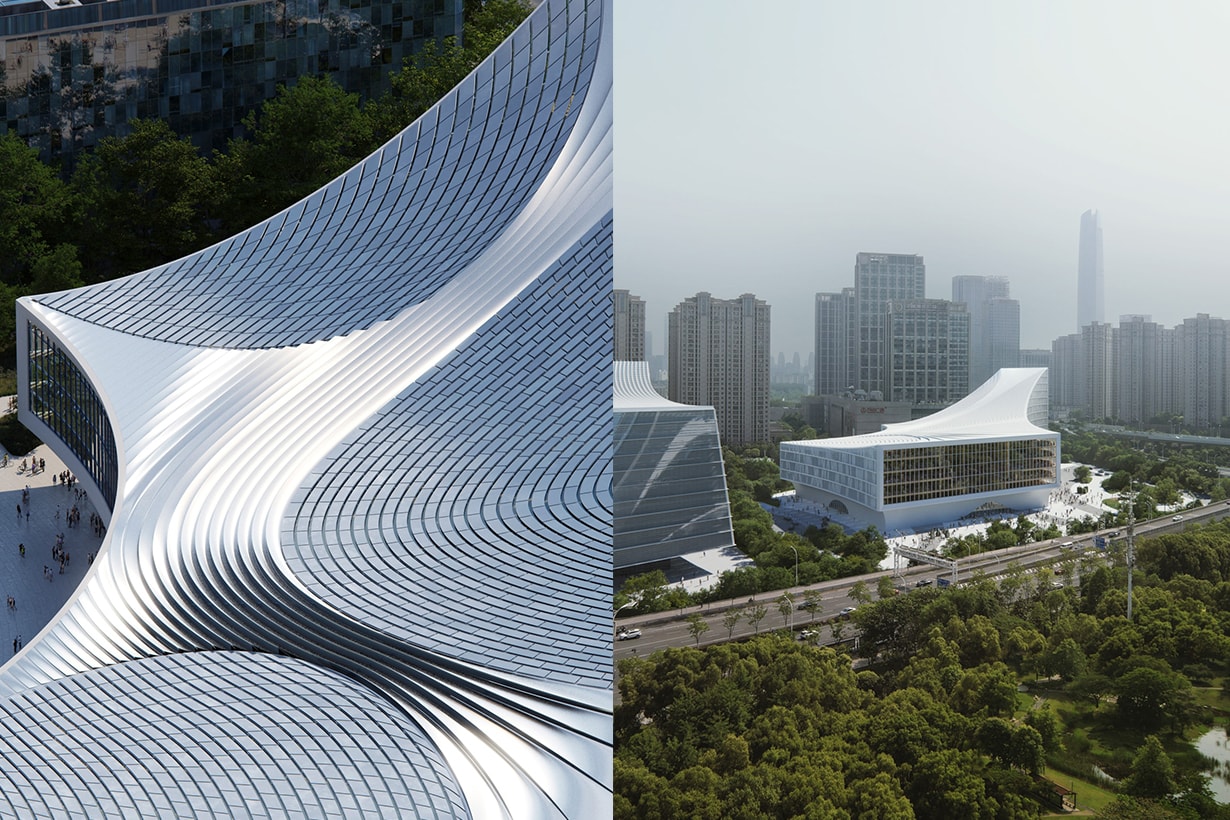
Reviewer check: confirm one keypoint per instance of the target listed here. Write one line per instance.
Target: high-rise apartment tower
(719, 356)
(628, 326)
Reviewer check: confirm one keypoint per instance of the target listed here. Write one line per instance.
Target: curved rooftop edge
(361, 457)
(1013, 402)
(634, 390)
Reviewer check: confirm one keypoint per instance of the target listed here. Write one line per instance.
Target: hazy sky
(760, 146)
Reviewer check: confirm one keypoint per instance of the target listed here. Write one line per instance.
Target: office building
(354, 467)
(1090, 279)
(668, 481)
(834, 319)
(879, 279)
(848, 415)
(75, 71)
(928, 358)
(1037, 357)
(988, 453)
(994, 324)
(719, 356)
(628, 326)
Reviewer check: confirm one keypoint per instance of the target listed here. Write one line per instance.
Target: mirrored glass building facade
(668, 480)
(355, 465)
(989, 451)
(75, 71)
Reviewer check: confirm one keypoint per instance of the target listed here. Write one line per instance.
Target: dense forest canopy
(937, 726)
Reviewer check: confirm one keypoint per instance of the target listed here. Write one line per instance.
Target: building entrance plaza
(35, 581)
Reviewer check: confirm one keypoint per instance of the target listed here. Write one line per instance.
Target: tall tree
(34, 206)
(302, 138)
(143, 199)
(434, 70)
(860, 593)
(697, 626)
(755, 615)
(1152, 772)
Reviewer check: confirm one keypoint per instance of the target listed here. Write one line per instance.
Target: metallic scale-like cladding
(361, 454)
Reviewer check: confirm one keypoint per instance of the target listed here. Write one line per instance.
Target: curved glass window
(62, 397)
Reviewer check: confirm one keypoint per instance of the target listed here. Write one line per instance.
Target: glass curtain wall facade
(71, 75)
(61, 396)
(922, 473)
(668, 481)
(668, 486)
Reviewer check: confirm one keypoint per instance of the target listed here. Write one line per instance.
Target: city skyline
(972, 136)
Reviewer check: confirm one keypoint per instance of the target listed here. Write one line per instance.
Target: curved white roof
(999, 408)
(361, 463)
(634, 390)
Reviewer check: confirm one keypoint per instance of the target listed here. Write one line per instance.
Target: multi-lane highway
(664, 629)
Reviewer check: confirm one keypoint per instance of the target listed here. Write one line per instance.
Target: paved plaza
(38, 595)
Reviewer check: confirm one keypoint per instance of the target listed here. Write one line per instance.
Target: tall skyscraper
(834, 318)
(880, 278)
(928, 360)
(1090, 285)
(994, 325)
(719, 356)
(628, 326)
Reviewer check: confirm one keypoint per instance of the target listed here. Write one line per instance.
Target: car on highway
(1177, 518)
(809, 634)
(809, 605)
(1056, 585)
(625, 634)
(922, 582)
(846, 611)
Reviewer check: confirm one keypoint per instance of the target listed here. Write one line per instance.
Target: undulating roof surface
(1005, 405)
(361, 455)
(389, 233)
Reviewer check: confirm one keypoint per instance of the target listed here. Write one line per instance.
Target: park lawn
(1212, 696)
(1088, 794)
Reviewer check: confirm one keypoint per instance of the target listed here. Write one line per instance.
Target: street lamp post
(796, 563)
(636, 599)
